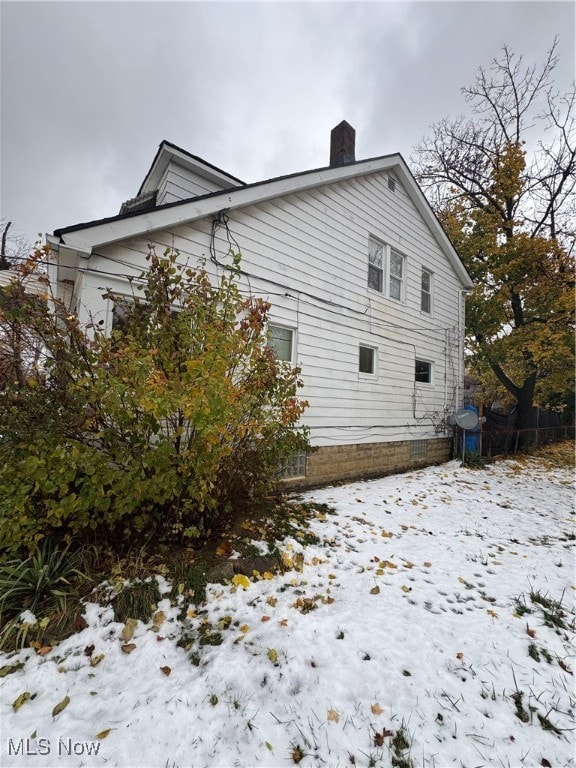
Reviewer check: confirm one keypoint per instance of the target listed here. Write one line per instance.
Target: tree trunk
(526, 413)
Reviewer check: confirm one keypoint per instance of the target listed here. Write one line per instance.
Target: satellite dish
(466, 419)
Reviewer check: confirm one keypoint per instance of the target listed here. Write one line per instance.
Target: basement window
(418, 449)
(295, 466)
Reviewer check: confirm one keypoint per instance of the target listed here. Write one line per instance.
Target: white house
(367, 291)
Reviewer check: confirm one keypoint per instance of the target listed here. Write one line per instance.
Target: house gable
(177, 175)
(85, 237)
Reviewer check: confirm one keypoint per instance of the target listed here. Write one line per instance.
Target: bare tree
(14, 248)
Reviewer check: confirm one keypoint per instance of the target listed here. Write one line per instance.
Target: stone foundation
(331, 464)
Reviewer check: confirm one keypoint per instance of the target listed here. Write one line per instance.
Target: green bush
(167, 427)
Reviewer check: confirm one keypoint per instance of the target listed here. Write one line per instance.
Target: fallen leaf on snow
(166, 670)
(333, 715)
(376, 709)
(241, 581)
(103, 734)
(158, 620)
(492, 613)
(375, 590)
(128, 648)
(265, 618)
(128, 629)
(17, 703)
(460, 655)
(379, 737)
(61, 706)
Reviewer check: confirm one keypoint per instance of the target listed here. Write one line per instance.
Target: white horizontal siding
(179, 183)
(311, 248)
(33, 284)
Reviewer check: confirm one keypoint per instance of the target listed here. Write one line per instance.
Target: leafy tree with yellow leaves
(508, 205)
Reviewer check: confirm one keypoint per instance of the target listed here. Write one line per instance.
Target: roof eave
(107, 231)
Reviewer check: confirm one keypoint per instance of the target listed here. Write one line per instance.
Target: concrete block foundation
(331, 464)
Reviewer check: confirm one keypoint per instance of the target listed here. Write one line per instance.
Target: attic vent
(391, 183)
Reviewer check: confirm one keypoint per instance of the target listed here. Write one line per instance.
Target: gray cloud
(90, 89)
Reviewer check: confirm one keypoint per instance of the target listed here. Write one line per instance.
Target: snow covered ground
(414, 635)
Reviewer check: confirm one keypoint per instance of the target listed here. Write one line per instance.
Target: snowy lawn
(423, 629)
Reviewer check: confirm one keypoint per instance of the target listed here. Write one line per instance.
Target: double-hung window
(386, 270)
(396, 280)
(426, 292)
(375, 265)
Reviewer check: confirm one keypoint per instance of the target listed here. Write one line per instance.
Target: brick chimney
(342, 144)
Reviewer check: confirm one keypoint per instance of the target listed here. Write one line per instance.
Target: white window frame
(431, 368)
(393, 276)
(365, 374)
(373, 268)
(292, 330)
(429, 293)
(387, 277)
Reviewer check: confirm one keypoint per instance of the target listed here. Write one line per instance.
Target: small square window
(367, 360)
(418, 449)
(295, 466)
(426, 292)
(281, 341)
(375, 265)
(123, 309)
(423, 372)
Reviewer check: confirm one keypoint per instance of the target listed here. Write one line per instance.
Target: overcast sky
(89, 89)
